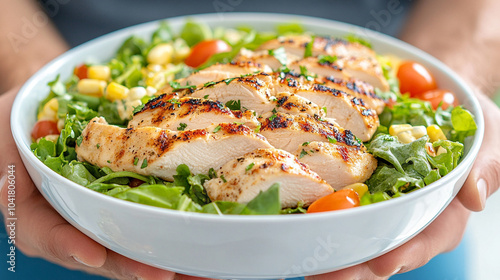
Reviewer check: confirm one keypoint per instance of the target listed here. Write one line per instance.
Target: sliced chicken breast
(265, 58)
(219, 72)
(287, 132)
(346, 110)
(242, 179)
(295, 104)
(366, 69)
(338, 164)
(158, 152)
(296, 45)
(188, 113)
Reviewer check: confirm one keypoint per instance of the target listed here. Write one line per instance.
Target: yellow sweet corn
(418, 131)
(405, 137)
(395, 129)
(99, 72)
(91, 87)
(181, 50)
(161, 54)
(115, 91)
(359, 188)
(49, 111)
(435, 133)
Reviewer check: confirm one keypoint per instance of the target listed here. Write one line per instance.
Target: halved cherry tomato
(81, 71)
(343, 199)
(202, 51)
(43, 128)
(437, 96)
(415, 78)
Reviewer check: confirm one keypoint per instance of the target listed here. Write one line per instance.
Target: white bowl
(241, 246)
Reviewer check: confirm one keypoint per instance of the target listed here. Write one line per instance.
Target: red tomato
(202, 51)
(437, 96)
(43, 128)
(415, 79)
(343, 199)
(81, 71)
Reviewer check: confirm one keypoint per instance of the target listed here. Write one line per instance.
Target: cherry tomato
(415, 79)
(43, 128)
(437, 96)
(202, 51)
(343, 199)
(81, 71)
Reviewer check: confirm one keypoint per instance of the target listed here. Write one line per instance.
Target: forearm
(28, 40)
(463, 34)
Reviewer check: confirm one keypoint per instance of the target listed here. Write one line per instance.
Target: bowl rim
(249, 18)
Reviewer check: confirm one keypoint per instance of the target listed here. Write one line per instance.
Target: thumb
(484, 178)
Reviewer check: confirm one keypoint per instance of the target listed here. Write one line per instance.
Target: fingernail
(482, 189)
(396, 271)
(2, 181)
(82, 262)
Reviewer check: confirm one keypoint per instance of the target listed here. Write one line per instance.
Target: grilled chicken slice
(296, 45)
(357, 89)
(188, 113)
(158, 152)
(366, 69)
(264, 58)
(348, 111)
(287, 132)
(219, 72)
(294, 104)
(246, 176)
(338, 164)
(253, 92)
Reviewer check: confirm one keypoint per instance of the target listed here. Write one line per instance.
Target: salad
(235, 121)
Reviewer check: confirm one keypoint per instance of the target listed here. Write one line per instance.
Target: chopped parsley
(332, 140)
(309, 47)
(274, 111)
(211, 173)
(250, 166)
(280, 55)
(355, 39)
(305, 73)
(136, 160)
(209, 84)
(174, 101)
(144, 163)
(108, 161)
(324, 109)
(234, 105)
(322, 59)
(182, 126)
(223, 179)
(271, 118)
(302, 153)
(97, 145)
(137, 109)
(217, 128)
(228, 80)
(205, 97)
(306, 143)
(257, 129)
(177, 87)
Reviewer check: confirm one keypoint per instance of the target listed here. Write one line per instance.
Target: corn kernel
(435, 133)
(91, 87)
(395, 129)
(115, 91)
(405, 137)
(161, 54)
(150, 91)
(50, 137)
(136, 93)
(359, 188)
(99, 72)
(419, 131)
(181, 50)
(49, 111)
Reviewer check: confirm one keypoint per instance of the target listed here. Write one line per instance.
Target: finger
(50, 236)
(440, 236)
(121, 267)
(484, 178)
(358, 272)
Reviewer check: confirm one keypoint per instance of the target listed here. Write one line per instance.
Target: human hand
(42, 232)
(447, 230)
